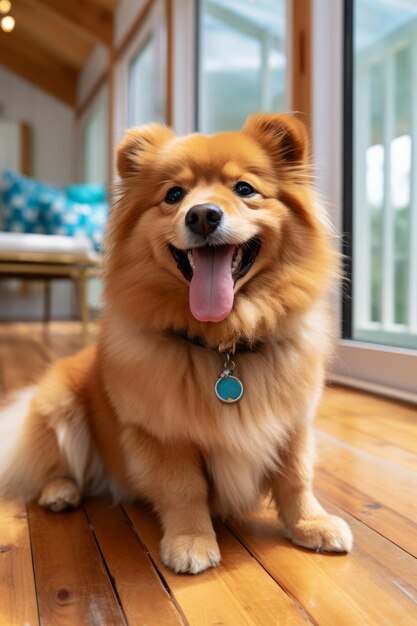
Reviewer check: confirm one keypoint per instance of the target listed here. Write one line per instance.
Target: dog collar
(242, 345)
(228, 388)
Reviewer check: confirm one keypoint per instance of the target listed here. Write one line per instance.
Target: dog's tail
(44, 435)
(13, 414)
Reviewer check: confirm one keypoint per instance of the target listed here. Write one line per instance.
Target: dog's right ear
(140, 146)
(284, 136)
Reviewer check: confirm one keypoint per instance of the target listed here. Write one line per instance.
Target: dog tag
(228, 388)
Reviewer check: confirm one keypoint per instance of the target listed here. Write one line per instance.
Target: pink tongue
(211, 290)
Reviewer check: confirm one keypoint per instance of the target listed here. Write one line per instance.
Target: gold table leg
(83, 303)
(47, 302)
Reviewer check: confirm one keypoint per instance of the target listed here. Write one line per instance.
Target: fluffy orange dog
(218, 252)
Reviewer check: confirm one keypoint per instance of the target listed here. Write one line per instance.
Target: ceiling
(52, 40)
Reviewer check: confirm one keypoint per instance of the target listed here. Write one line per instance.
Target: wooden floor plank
(365, 437)
(145, 600)
(339, 400)
(369, 510)
(336, 589)
(22, 363)
(18, 604)
(72, 584)
(389, 484)
(400, 566)
(238, 591)
(387, 420)
(62, 345)
(57, 339)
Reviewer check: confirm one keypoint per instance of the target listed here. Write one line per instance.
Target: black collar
(242, 345)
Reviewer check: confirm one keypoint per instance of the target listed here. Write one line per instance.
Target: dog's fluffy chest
(166, 385)
(166, 388)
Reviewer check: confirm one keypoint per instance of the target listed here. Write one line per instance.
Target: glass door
(378, 115)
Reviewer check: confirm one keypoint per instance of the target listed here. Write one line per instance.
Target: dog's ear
(282, 135)
(140, 146)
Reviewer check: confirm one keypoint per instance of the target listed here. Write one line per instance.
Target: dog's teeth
(237, 260)
(190, 259)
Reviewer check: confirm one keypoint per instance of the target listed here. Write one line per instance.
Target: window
(140, 88)
(363, 363)
(384, 159)
(93, 152)
(242, 61)
(146, 83)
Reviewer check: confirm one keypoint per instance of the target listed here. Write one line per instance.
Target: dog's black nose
(203, 219)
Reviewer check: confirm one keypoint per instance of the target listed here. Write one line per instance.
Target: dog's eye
(174, 195)
(244, 189)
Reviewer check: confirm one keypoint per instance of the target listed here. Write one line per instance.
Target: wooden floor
(100, 564)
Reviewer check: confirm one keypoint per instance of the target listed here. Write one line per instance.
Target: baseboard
(380, 390)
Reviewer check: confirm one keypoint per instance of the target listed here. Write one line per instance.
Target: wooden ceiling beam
(110, 5)
(89, 18)
(51, 33)
(43, 70)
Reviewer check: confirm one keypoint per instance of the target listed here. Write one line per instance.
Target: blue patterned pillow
(29, 206)
(75, 219)
(87, 193)
(22, 199)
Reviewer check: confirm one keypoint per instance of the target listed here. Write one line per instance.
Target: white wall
(52, 126)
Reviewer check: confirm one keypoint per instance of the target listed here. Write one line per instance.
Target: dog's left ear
(140, 146)
(282, 135)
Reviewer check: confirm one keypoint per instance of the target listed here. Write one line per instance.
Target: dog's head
(217, 235)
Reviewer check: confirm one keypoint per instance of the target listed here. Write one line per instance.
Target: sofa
(49, 232)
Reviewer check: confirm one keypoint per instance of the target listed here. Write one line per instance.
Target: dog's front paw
(190, 553)
(326, 533)
(60, 494)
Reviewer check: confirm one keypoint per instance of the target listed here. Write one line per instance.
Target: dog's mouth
(213, 272)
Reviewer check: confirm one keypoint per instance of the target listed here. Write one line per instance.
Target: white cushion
(53, 245)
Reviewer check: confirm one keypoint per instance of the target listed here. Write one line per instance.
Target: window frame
(347, 180)
(157, 17)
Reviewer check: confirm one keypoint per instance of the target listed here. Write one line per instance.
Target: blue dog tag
(229, 389)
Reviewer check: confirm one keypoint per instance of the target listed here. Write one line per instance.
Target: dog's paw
(326, 533)
(190, 553)
(60, 494)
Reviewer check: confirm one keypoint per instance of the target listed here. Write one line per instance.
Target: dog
(200, 391)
